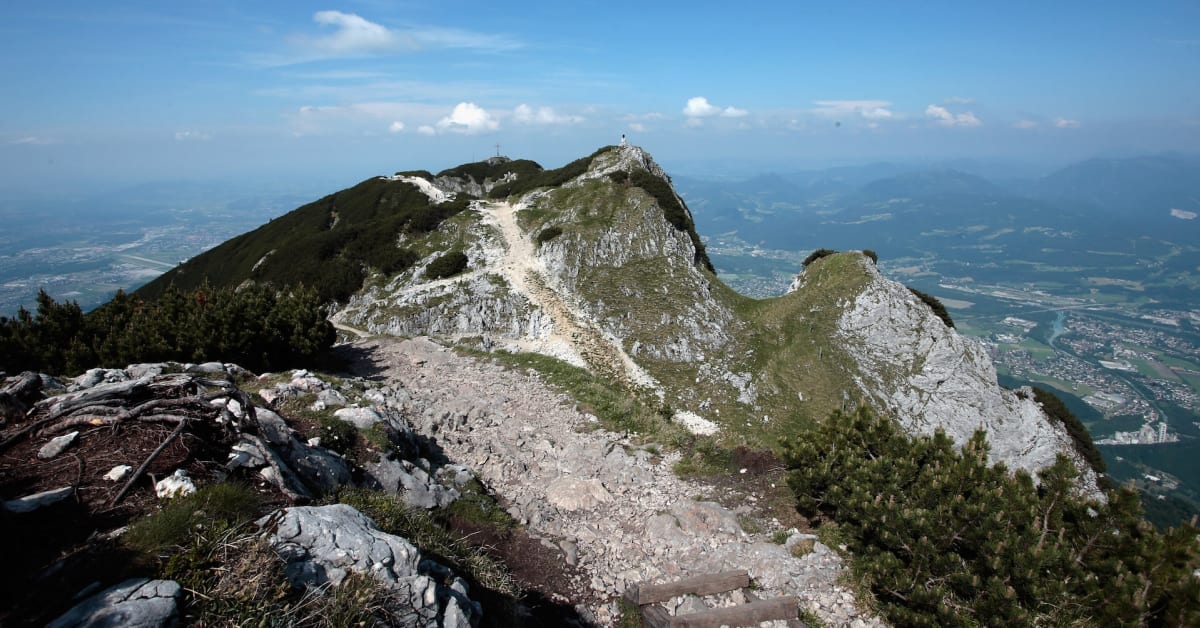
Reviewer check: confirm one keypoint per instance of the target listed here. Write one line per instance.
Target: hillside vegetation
(256, 326)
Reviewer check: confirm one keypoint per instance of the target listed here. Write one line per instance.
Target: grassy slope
(792, 341)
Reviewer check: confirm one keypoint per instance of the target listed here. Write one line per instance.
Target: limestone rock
(135, 603)
(36, 501)
(412, 483)
(57, 445)
(573, 494)
(325, 544)
(118, 473)
(177, 484)
(911, 365)
(362, 418)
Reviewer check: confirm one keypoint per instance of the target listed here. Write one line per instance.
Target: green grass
(793, 349)
(228, 503)
(617, 409)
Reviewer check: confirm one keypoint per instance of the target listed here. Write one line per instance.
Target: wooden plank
(655, 616)
(745, 615)
(698, 585)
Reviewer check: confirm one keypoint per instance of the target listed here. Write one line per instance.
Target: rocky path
(521, 269)
(613, 509)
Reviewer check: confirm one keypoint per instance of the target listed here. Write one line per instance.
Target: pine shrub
(942, 538)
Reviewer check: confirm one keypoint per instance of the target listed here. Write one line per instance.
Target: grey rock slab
(326, 543)
(572, 494)
(362, 418)
(30, 503)
(135, 603)
(57, 445)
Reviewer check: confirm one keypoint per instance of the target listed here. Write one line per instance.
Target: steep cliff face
(909, 364)
(597, 271)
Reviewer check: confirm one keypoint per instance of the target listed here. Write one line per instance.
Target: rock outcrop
(136, 603)
(914, 367)
(323, 545)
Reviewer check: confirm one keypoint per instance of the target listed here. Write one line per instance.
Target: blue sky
(133, 91)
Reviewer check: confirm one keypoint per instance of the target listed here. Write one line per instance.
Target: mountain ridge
(591, 272)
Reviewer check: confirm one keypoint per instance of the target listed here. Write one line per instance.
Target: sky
(290, 89)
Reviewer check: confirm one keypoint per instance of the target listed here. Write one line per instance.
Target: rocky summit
(595, 272)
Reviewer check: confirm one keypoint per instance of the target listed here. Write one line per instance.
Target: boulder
(324, 544)
(411, 483)
(135, 603)
(362, 418)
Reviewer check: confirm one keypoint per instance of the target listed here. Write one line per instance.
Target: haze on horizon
(132, 91)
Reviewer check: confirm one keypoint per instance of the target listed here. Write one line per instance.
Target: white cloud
(425, 129)
(358, 117)
(197, 136)
(944, 117)
(699, 107)
(35, 141)
(354, 35)
(1064, 123)
(524, 114)
(468, 118)
(1025, 125)
(866, 109)
(396, 127)
(637, 126)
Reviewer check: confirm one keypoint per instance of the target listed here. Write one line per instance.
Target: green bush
(548, 234)
(816, 255)
(328, 244)
(935, 304)
(448, 265)
(871, 255)
(940, 537)
(1059, 412)
(673, 210)
(256, 326)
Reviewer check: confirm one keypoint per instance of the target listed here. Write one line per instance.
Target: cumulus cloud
(524, 114)
(468, 118)
(396, 127)
(185, 136)
(866, 109)
(1064, 123)
(699, 107)
(1025, 125)
(944, 117)
(425, 129)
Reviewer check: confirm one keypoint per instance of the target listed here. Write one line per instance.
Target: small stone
(118, 473)
(57, 445)
(177, 484)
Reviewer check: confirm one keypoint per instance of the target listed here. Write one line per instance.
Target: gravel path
(616, 511)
